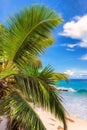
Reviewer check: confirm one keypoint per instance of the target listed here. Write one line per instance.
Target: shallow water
(75, 101)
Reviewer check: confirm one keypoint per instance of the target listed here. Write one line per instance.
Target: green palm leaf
(29, 32)
(39, 88)
(22, 112)
(7, 72)
(36, 63)
(3, 33)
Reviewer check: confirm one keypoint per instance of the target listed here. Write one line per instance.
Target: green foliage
(28, 34)
(22, 111)
(3, 32)
(39, 87)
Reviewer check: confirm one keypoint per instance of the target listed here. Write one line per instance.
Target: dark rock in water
(61, 89)
(66, 89)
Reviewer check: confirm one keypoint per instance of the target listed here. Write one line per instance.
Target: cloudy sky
(69, 53)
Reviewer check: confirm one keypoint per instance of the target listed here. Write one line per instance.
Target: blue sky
(69, 53)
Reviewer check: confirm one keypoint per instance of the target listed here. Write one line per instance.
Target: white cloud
(77, 29)
(72, 45)
(75, 73)
(83, 43)
(69, 49)
(69, 72)
(84, 57)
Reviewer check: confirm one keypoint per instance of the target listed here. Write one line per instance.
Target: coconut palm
(27, 35)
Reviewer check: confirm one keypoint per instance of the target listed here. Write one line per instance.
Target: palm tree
(27, 35)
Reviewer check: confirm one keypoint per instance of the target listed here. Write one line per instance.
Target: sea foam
(66, 89)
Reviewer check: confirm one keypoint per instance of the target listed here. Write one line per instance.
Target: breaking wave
(66, 89)
(81, 91)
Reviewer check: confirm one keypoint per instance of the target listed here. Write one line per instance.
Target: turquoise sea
(75, 99)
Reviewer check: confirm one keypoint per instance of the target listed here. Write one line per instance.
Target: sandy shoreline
(51, 123)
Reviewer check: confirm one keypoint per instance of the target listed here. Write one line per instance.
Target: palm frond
(6, 72)
(35, 64)
(3, 33)
(39, 87)
(29, 32)
(48, 78)
(60, 76)
(22, 113)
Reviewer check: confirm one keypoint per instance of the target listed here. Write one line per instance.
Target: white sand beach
(51, 123)
(3, 122)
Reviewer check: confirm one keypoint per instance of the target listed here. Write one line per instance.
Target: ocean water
(75, 99)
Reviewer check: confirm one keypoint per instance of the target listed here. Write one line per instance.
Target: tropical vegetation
(23, 81)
